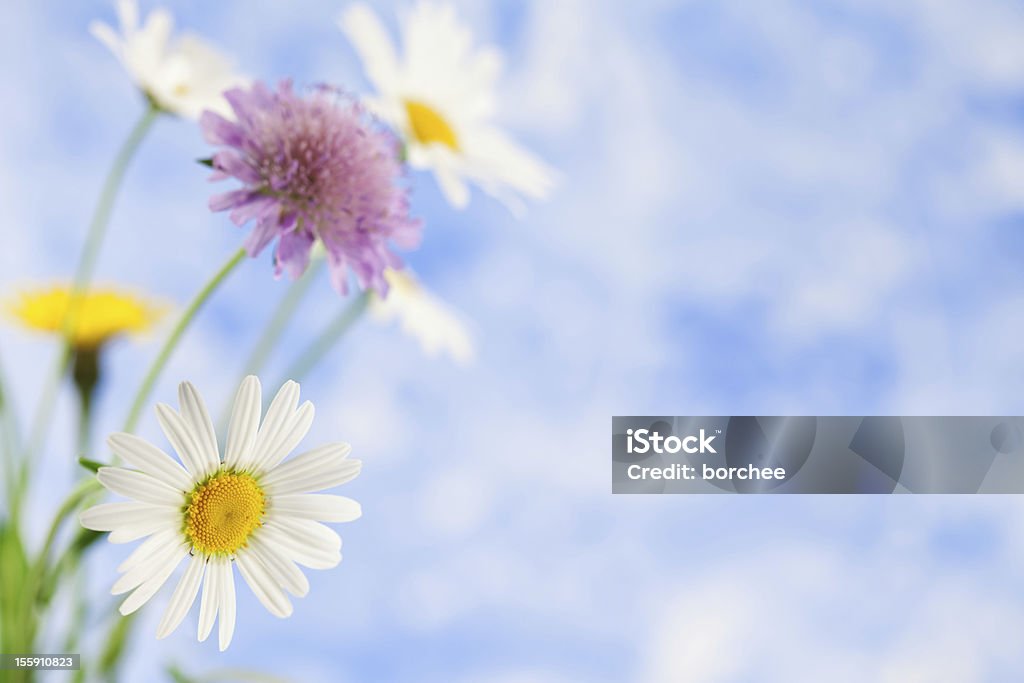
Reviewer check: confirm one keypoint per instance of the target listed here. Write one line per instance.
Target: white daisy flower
(423, 316)
(253, 508)
(183, 76)
(440, 95)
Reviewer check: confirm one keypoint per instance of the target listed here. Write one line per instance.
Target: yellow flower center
(428, 126)
(223, 512)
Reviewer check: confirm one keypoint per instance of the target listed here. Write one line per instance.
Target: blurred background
(765, 208)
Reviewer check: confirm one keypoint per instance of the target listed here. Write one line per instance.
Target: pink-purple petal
(313, 167)
(232, 199)
(217, 130)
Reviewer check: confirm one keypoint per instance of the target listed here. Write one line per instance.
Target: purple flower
(312, 168)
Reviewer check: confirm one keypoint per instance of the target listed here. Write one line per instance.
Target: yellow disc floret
(223, 512)
(428, 126)
(99, 314)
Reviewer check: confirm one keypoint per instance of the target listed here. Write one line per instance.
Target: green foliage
(18, 621)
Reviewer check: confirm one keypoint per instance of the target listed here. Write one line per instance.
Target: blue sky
(764, 208)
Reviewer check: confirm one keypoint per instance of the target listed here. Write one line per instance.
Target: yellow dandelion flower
(102, 314)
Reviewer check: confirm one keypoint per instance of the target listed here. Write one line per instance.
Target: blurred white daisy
(250, 509)
(440, 95)
(423, 316)
(182, 76)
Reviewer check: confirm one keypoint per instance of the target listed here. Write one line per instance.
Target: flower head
(102, 314)
(312, 168)
(251, 509)
(423, 316)
(183, 76)
(441, 95)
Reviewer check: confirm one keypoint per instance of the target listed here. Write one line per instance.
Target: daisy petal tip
(334, 561)
(99, 30)
(86, 518)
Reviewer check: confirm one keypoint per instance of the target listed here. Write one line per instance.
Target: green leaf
(17, 616)
(208, 162)
(177, 675)
(116, 642)
(91, 465)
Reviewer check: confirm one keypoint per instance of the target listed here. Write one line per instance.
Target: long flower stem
(282, 315)
(146, 388)
(83, 275)
(9, 446)
(80, 492)
(315, 352)
(275, 327)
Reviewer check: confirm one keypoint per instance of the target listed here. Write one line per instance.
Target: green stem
(80, 492)
(282, 314)
(315, 352)
(146, 388)
(84, 425)
(83, 275)
(275, 327)
(101, 218)
(85, 372)
(8, 443)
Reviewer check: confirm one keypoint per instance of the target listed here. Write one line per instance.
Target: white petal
(183, 597)
(210, 600)
(128, 16)
(424, 316)
(227, 606)
(133, 532)
(289, 436)
(307, 532)
(320, 507)
(111, 516)
(499, 165)
(141, 487)
(245, 423)
(278, 414)
(263, 585)
(312, 556)
(181, 439)
(146, 569)
(453, 187)
(150, 48)
(371, 41)
(170, 537)
(106, 35)
(149, 459)
(315, 470)
(284, 571)
(147, 590)
(197, 418)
